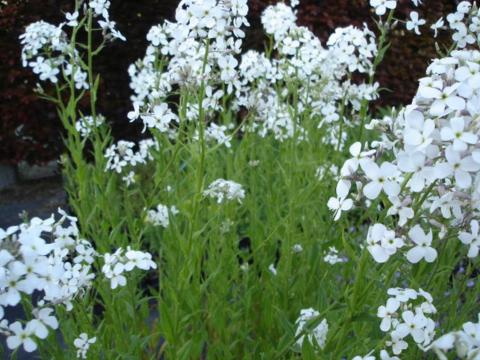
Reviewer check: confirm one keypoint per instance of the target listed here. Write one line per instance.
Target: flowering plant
(227, 265)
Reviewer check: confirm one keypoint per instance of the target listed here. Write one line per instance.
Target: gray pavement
(36, 197)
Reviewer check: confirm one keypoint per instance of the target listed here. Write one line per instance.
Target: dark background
(30, 130)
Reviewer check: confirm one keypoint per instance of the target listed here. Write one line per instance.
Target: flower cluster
(354, 48)
(47, 50)
(223, 190)
(331, 256)
(48, 263)
(322, 77)
(278, 20)
(58, 271)
(383, 243)
(199, 48)
(418, 182)
(465, 24)
(315, 334)
(86, 125)
(161, 215)
(108, 27)
(218, 133)
(123, 154)
(121, 261)
(433, 170)
(406, 314)
(466, 342)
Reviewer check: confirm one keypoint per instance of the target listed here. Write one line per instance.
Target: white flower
(472, 239)
(32, 244)
(99, 6)
(442, 345)
(418, 131)
(222, 190)
(456, 132)
(462, 37)
(87, 124)
(317, 335)
(446, 100)
(116, 264)
(272, 269)
(387, 312)
(12, 284)
(159, 217)
(116, 276)
(369, 356)
(381, 6)
(160, 118)
(228, 66)
(458, 167)
(437, 26)
(139, 259)
(44, 315)
(38, 328)
(135, 113)
(398, 208)
(382, 242)
(278, 19)
(351, 165)
(422, 248)
(72, 18)
(415, 22)
(332, 257)
(122, 154)
(413, 325)
(109, 28)
(473, 331)
(218, 133)
(466, 342)
(464, 7)
(47, 268)
(297, 248)
(380, 179)
(385, 356)
(341, 202)
(21, 336)
(397, 343)
(83, 343)
(129, 179)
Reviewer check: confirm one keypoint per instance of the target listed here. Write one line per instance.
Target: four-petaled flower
(341, 202)
(381, 6)
(387, 312)
(422, 248)
(472, 239)
(380, 179)
(456, 132)
(415, 22)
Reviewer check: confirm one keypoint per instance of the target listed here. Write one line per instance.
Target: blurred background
(31, 133)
